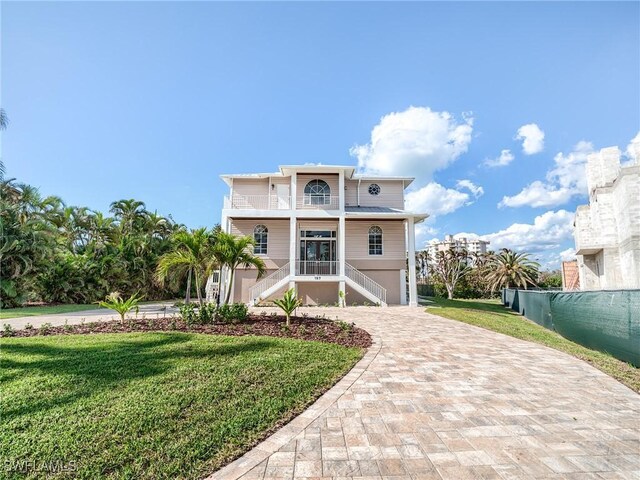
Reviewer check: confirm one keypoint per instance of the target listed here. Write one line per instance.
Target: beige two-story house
(323, 230)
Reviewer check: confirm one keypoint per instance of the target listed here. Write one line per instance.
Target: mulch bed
(302, 328)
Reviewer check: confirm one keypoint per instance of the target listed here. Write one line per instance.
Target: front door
(318, 257)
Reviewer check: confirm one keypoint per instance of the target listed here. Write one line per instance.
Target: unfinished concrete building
(607, 231)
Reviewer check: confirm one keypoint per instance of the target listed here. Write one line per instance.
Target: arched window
(375, 240)
(317, 192)
(260, 234)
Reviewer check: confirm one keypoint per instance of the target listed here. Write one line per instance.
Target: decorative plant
(114, 301)
(288, 303)
(341, 296)
(232, 252)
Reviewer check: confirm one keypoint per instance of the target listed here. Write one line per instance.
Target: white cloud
(568, 254)
(633, 150)
(477, 190)
(435, 199)
(532, 138)
(473, 236)
(547, 232)
(416, 142)
(566, 179)
(505, 158)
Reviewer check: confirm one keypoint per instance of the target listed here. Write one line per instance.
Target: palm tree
(232, 252)
(509, 268)
(192, 255)
(129, 212)
(4, 122)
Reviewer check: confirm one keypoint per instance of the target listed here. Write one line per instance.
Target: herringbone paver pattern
(444, 400)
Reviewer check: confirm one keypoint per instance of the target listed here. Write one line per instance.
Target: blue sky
(154, 100)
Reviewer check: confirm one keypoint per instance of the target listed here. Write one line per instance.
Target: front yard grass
(492, 315)
(154, 405)
(43, 310)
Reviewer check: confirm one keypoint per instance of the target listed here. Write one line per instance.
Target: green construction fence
(606, 320)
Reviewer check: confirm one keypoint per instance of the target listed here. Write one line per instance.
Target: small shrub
(345, 326)
(151, 323)
(7, 330)
(67, 327)
(45, 328)
(173, 325)
(28, 326)
(302, 330)
(234, 312)
(188, 313)
(207, 313)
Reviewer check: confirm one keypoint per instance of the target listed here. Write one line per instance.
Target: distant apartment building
(607, 231)
(471, 245)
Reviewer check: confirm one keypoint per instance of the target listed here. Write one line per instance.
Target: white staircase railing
(268, 282)
(367, 283)
(212, 289)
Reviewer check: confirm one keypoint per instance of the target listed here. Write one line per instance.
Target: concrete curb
(272, 444)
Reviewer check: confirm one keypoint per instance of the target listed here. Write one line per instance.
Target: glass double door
(318, 257)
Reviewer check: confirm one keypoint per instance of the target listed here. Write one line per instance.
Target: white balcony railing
(258, 202)
(318, 202)
(275, 202)
(316, 267)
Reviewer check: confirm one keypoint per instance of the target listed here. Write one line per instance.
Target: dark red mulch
(313, 329)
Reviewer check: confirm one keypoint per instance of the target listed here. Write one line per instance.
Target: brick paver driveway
(442, 399)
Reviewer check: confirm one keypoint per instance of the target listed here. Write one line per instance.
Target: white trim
(381, 254)
(403, 287)
(411, 253)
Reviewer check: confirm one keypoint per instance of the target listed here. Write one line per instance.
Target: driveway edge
(273, 443)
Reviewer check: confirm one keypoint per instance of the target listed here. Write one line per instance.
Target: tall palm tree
(509, 268)
(4, 122)
(130, 213)
(233, 252)
(192, 254)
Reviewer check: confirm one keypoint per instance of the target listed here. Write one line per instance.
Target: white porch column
(403, 287)
(411, 253)
(293, 229)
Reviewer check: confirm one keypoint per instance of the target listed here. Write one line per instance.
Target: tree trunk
(230, 286)
(450, 292)
(187, 297)
(198, 288)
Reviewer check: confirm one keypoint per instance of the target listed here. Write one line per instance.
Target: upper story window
(260, 234)
(317, 192)
(375, 240)
(374, 189)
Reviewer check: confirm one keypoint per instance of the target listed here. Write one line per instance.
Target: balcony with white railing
(257, 202)
(318, 202)
(316, 267)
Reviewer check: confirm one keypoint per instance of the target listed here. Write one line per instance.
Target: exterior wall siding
(277, 238)
(393, 242)
(391, 194)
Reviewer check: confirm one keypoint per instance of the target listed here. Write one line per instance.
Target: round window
(374, 189)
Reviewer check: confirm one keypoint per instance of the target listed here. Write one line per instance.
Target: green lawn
(490, 314)
(44, 310)
(154, 405)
